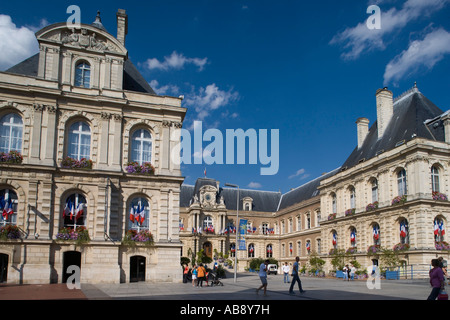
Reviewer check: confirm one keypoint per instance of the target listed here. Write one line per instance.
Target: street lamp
(237, 230)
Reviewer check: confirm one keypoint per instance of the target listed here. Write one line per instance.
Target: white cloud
(254, 185)
(420, 54)
(300, 173)
(360, 39)
(16, 44)
(175, 61)
(168, 89)
(209, 99)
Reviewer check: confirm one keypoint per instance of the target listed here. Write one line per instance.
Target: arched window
(374, 190)
(83, 75)
(353, 237)
(139, 214)
(269, 251)
(208, 225)
(11, 131)
(74, 212)
(334, 239)
(232, 250)
(439, 230)
(141, 146)
(251, 250)
(79, 141)
(8, 207)
(435, 179)
(401, 182)
(376, 234)
(404, 231)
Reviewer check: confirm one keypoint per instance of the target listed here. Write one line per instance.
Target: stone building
(85, 143)
(391, 192)
(280, 226)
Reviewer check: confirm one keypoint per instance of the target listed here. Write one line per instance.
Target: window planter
(372, 206)
(401, 247)
(70, 163)
(80, 235)
(399, 200)
(352, 250)
(332, 216)
(442, 245)
(439, 196)
(10, 232)
(373, 249)
(144, 169)
(350, 212)
(134, 237)
(12, 157)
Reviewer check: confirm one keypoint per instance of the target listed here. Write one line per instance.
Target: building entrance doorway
(3, 268)
(207, 248)
(70, 258)
(137, 268)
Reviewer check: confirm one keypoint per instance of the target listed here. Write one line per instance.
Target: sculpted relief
(85, 40)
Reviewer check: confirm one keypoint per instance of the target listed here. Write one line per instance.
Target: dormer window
(83, 75)
(247, 204)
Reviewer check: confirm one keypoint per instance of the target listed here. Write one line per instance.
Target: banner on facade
(242, 233)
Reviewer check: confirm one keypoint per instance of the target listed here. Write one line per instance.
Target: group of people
(438, 278)
(349, 272)
(295, 276)
(197, 275)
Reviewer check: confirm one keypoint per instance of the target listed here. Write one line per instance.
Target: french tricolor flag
(132, 214)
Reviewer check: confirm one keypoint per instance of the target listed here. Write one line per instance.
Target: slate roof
(132, 78)
(263, 201)
(409, 120)
(304, 192)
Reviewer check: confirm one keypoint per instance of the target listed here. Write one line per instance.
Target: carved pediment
(87, 37)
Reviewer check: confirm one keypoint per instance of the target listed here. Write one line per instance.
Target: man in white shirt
(285, 268)
(263, 276)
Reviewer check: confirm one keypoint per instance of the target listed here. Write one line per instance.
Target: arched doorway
(207, 248)
(70, 258)
(137, 268)
(3, 267)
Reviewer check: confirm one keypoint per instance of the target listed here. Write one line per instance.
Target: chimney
(385, 109)
(122, 26)
(362, 125)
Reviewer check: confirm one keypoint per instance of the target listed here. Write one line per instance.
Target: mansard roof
(263, 201)
(411, 118)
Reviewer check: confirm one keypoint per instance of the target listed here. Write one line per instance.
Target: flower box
(351, 250)
(133, 237)
(70, 163)
(399, 200)
(401, 247)
(372, 206)
(12, 157)
(350, 212)
(442, 245)
(135, 168)
(80, 235)
(439, 196)
(332, 216)
(10, 232)
(374, 249)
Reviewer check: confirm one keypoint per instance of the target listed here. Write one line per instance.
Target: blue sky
(307, 68)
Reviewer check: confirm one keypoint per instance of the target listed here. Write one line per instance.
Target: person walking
(185, 273)
(201, 274)
(296, 277)
(194, 275)
(263, 276)
(285, 268)
(436, 280)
